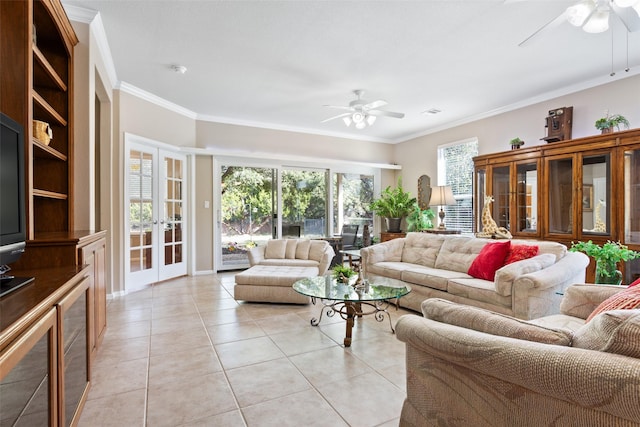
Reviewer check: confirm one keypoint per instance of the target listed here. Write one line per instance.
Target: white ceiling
(275, 64)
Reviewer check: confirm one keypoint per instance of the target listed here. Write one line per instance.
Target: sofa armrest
(386, 251)
(325, 261)
(581, 299)
(256, 255)
(445, 363)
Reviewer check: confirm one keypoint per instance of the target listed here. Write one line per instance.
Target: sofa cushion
(276, 249)
(521, 252)
(389, 269)
(290, 251)
(458, 253)
(302, 249)
(430, 277)
(613, 331)
(506, 275)
(627, 299)
(291, 262)
(422, 248)
(316, 250)
(490, 259)
(478, 290)
(493, 323)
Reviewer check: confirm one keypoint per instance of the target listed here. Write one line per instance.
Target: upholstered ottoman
(272, 283)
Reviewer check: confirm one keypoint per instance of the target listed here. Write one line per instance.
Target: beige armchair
(471, 367)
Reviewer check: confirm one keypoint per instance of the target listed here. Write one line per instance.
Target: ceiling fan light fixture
(371, 120)
(357, 117)
(361, 125)
(578, 13)
(598, 23)
(347, 121)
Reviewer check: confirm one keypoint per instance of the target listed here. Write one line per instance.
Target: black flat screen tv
(13, 218)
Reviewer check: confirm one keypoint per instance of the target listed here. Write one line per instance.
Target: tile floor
(185, 353)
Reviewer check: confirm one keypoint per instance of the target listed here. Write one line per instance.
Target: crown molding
(154, 99)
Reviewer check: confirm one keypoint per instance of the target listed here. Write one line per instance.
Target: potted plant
(393, 205)
(607, 258)
(342, 273)
(516, 143)
(607, 123)
(420, 219)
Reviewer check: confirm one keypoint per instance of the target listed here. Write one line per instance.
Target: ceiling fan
(593, 16)
(362, 113)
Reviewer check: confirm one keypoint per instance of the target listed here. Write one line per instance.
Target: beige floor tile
(187, 322)
(183, 364)
(265, 381)
(298, 341)
(118, 378)
(234, 332)
(228, 419)
(173, 342)
(329, 365)
(365, 400)
(305, 408)
(379, 352)
(189, 399)
(126, 316)
(115, 410)
(220, 317)
(247, 352)
(396, 374)
(114, 351)
(162, 311)
(128, 330)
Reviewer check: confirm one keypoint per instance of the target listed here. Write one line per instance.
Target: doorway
(155, 216)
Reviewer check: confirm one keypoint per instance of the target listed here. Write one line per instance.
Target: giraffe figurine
(599, 226)
(489, 227)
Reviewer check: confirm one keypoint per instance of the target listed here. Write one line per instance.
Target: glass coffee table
(350, 301)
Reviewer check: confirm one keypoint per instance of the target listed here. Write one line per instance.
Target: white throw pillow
(276, 249)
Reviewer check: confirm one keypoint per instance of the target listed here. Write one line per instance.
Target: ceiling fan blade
(549, 25)
(628, 16)
(340, 107)
(386, 113)
(336, 117)
(375, 104)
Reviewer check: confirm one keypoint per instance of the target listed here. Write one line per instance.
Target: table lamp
(442, 195)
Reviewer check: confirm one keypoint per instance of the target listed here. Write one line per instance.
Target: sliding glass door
(304, 203)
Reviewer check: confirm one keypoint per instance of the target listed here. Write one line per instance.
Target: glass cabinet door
(526, 198)
(596, 194)
(632, 196)
(480, 189)
(560, 195)
(500, 184)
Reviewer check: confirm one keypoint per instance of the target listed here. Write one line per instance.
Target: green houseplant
(607, 258)
(393, 205)
(420, 219)
(342, 273)
(607, 123)
(516, 143)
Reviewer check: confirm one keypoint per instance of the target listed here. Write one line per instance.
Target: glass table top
(326, 287)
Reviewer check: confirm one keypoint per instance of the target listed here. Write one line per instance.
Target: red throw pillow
(520, 252)
(634, 283)
(490, 258)
(624, 300)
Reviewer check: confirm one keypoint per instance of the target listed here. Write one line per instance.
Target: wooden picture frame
(587, 198)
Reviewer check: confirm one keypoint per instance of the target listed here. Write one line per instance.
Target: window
(455, 168)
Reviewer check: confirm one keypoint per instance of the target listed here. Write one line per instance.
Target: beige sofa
(435, 266)
(469, 367)
(277, 265)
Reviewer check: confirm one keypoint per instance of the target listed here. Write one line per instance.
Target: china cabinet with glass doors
(567, 191)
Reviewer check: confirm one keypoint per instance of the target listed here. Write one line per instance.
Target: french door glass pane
(352, 195)
(527, 197)
(304, 201)
(500, 208)
(173, 211)
(140, 210)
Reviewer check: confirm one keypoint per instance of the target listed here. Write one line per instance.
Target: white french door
(155, 246)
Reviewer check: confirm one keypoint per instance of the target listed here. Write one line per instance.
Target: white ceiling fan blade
(340, 107)
(628, 16)
(375, 104)
(336, 117)
(549, 25)
(386, 113)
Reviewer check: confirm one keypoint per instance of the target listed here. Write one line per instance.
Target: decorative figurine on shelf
(558, 124)
(489, 227)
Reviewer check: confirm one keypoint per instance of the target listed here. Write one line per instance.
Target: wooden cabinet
(92, 253)
(43, 349)
(385, 237)
(582, 189)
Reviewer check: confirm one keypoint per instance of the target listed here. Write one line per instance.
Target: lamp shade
(442, 195)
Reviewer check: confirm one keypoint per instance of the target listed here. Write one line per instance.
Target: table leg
(351, 313)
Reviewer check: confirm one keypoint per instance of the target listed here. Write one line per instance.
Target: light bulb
(371, 119)
(598, 23)
(578, 13)
(357, 117)
(347, 121)
(361, 125)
